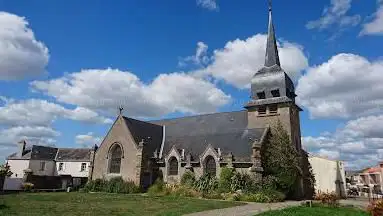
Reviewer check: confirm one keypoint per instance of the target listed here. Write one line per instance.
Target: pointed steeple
(272, 57)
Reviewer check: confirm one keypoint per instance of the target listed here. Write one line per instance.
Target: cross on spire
(270, 5)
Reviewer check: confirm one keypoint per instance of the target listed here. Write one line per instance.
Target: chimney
(21, 148)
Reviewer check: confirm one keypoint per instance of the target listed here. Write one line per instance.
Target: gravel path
(247, 210)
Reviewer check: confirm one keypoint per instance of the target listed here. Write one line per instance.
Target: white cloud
(335, 15)
(239, 60)
(359, 143)
(107, 89)
(87, 140)
(199, 59)
(43, 113)
(346, 85)
(208, 4)
(21, 55)
(35, 135)
(375, 27)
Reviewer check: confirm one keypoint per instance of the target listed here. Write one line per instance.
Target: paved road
(247, 210)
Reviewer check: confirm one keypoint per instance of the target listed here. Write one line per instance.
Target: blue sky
(65, 67)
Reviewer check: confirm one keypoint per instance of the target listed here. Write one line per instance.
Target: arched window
(210, 166)
(115, 159)
(173, 166)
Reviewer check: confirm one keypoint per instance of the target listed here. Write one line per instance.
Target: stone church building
(141, 150)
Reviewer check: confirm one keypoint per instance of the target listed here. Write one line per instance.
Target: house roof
(73, 154)
(227, 131)
(36, 152)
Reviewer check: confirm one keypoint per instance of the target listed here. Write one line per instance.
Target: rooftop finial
(270, 6)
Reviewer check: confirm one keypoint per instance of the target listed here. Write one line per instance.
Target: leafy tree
(4, 172)
(280, 159)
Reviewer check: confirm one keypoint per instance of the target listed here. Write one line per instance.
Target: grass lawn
(316, 211)
(94, 204)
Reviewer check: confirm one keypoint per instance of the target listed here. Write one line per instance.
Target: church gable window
(275, 93)
(210, 165)
(261, 95)
(115, 159)
(173, 166)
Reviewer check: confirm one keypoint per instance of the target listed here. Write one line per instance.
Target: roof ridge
(205, 114)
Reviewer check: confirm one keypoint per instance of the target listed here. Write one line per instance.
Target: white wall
(17, 168)
(50, 167)
(326, 173)
(73, 169)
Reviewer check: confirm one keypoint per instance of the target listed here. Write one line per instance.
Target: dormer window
(262, 110)
(273, 108)
(275, 93)
(261, 95)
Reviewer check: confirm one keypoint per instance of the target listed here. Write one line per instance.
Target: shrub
(269, 182)
(185, 191)
(157, 188)
(243, 182)
(225, 178)
(376, 208)
(188, 178)
(27, 187)
(114, 185)
(206, 183)
(330, 199)
(266, 196)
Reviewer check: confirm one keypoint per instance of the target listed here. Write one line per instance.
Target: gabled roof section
(73, 154)
(150, 133)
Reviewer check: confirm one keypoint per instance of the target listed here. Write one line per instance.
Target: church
(141, 151)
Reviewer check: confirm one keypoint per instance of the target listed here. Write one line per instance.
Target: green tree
(4, 172)
(280, 159)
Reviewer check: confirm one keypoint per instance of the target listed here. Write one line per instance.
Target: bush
(269, 182)
(206, 183)
(267, 196)
(188, 178)
(243, 182)
(330, 199)
(114, 185)
(27, 187)
(376, 208)
(225, 178)
(157, 188)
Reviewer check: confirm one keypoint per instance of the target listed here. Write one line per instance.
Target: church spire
(272, 57)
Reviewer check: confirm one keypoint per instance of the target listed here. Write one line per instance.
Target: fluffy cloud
(208, 4)
(239, 60)
(43, 113)
(335, 15)
(87, 140)
(107, 89)
(20, 53)
(358, 143)
(346, 85)
(375, 27)
(199, 59)
(38, 135)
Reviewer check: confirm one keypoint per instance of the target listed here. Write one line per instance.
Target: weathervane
(120, 108)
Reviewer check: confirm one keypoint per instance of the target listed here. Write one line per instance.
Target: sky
(66, 67)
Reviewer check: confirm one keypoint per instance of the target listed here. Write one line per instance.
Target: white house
(47, 167)
(329, 175)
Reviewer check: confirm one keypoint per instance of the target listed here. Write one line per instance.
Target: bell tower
(273, 93)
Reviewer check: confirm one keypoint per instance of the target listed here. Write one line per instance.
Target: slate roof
(73, 154)
(36, 152)
(227, 131)
(150, 133)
